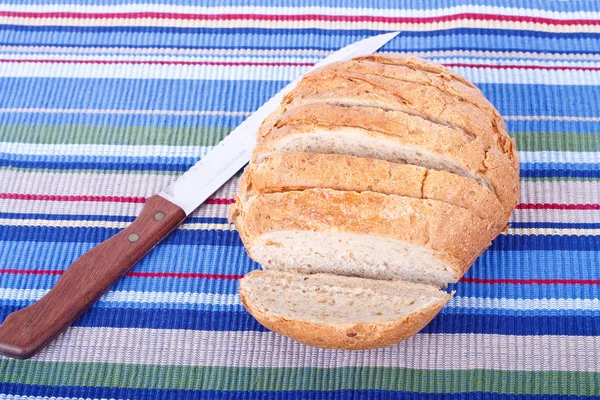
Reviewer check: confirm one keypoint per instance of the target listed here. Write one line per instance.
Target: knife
(25, 332)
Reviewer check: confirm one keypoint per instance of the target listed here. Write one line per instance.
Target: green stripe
(116, 135)
(210, 136)
(557, 141)
(271, 379)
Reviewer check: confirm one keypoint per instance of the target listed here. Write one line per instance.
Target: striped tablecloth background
(103, 103)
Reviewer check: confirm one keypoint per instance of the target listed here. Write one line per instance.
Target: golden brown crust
(445, 79)
(301, 171)
(443, 228)
(343, 336)
(417, 64)
(442, 100)
(406, 130)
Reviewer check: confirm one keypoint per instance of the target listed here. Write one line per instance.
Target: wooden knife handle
(24, 332)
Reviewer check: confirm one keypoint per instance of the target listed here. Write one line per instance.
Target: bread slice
(301, 171)
(366, 234)
(339, 312)
(392, 136)
(444, 79)
(388, 87)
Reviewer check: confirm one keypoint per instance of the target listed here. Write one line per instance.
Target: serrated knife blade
(232, 153)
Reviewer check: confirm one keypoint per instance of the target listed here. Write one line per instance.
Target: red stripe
(281, 64)
(220, 63)
(554, 206)
(129, 199)
(302, 17)
(532, 281)
(132, 274)
(110, 199)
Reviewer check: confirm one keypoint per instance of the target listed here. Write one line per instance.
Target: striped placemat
(104, 102)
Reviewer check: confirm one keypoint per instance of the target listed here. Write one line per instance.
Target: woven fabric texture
(104, 102)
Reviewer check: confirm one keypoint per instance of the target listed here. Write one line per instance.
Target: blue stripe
(215, 259)
(231, 238)
(170, 285)
(552, 126)
(233, 121)
(512, 291)
(138, 305)
(242, 321)
(201, 259)
(317, 39)
(508, 291)
(178, 94)
(98, 392)
(125, 94)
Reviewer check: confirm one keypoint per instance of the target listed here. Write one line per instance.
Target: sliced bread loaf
(339, 312)
(364, 234)
(382, 178)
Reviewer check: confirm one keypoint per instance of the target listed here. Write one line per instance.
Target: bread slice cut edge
(332, 311)
(361, 234)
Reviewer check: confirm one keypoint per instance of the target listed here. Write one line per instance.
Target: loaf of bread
(375, 183)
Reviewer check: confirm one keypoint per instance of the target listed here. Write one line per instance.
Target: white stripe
(287, 52)
(176, 51)
(145, 185)
(98, 208)
(105, 150)
(550, 118)
(503, 54)
(557, 216)
(319, 10)
(552, 231)
(560, 192)
(157, 58)
(134, 297)
(478, 303)
(23, 397)
(94, 184)
(20, 397)
(270, 73)
(145, 71)
(230, 227)
(267, 349)
(579, 157)
(509, 61)
(103, 224)
(525, 304)
(308, 24)
(161, 58)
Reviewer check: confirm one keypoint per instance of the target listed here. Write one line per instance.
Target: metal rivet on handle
(133, 237)
(159, 216)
